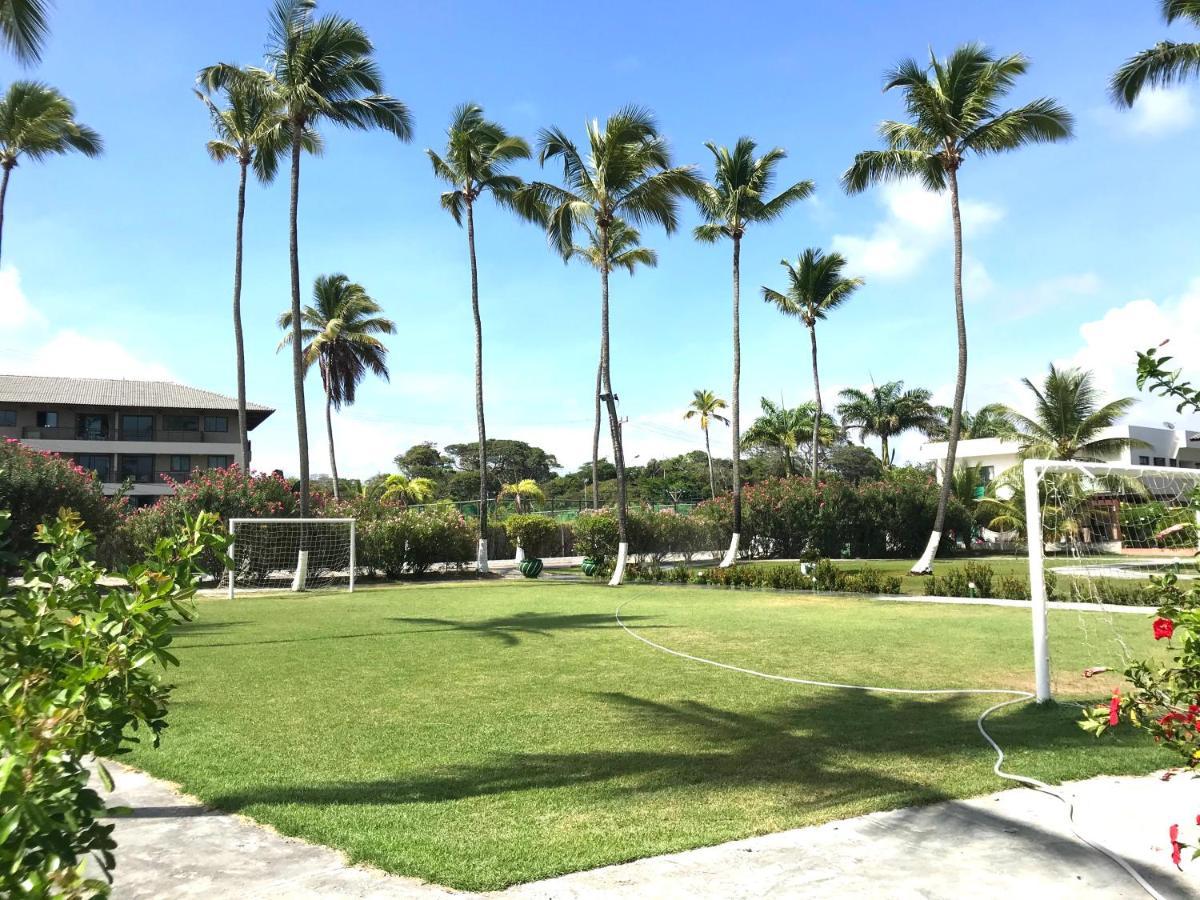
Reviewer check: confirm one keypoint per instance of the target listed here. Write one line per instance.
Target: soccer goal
(1096, 533)
(291, 554)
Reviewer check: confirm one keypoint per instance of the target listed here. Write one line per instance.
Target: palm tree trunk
(297, 337)
(238, 338)
(596, 440)
(3, 192)
(481, 559)
(883, 448)
(924, 565)
(712, 481)
(329, 431)
(812, 333)
(735, 417)
(614, 424)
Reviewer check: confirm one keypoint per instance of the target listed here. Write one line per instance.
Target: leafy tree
(340, 335)
(478, 153)
(321, 69)
(1163, 64)
(508, 461)
(37, 122)
(736, 198)
(954, 107)
(816, 285)
(704, 406)
(888, 411)
(853, 463)
(23, 28)
(624, 252)
(626, 175)
(784, 430)
(425, 461)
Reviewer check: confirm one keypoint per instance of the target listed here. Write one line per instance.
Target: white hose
(1018, 697)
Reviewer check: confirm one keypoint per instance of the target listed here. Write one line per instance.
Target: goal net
(291, 554)
(1097, 533)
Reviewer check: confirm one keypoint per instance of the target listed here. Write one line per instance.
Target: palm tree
(816, 285)
(36, 122)
(736, 198)
(624, 252)
(989, 421)
(525, 489)
(249, 129)
(626, 174)
(1069, 419)
(339, 333)
(705, 405)
(23, 28)
(322, 70)
(1164, 63)
(888, 411)
(954, 105)
(783, 429)
(477, 154)
(408, 490)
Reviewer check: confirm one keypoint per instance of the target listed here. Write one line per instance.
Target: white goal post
(1103, 526)
(291, 554)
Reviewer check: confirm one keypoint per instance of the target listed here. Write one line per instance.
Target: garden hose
(1016, 697)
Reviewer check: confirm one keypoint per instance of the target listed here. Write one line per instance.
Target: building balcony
(67, 433)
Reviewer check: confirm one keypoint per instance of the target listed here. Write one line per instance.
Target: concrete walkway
(1015, 843)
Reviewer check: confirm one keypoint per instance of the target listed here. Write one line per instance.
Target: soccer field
(482, 734)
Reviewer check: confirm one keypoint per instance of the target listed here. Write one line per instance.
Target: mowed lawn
(478, 735)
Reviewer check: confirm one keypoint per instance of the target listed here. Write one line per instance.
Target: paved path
(1015, 843)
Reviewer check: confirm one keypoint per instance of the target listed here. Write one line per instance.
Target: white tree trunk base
(731, 554)
(924, 565)
(301, 577)
(520, 557)
(619, 571)
(481, 558)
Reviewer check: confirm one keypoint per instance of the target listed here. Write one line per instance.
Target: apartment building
(143, 432)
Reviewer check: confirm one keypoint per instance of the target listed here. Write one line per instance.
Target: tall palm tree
(705, 405)
(954, 107)
(783, 429)
(1069, 419)
(23, 28)
(477, 154)
(248, 129)
(888, 411)
(624, 252)
(340, 335)
(37, 122)
(816, 285)
(322, 69)
(1164, 63)
(989, 421)
(626, 174)
(737, 197)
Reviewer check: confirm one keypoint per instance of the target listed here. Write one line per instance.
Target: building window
(986, 474)
(1143, 460)
(139, 501)
(181, 464)
(138, 467)
(216, 423)
(137, 428)
(1159, 461)
(8, 417)
(99, 463)
(181, 423)
(220, 462)
(1173, 463)
(91, 427)
(47, 419)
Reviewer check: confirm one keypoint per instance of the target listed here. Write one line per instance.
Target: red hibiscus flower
(1163, 628)
(1114, 708)
(1176, 847)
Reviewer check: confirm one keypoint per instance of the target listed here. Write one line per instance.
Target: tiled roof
(115, 392)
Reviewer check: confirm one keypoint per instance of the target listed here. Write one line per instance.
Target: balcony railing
(66, 433)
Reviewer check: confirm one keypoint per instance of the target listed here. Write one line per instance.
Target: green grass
(479, 735)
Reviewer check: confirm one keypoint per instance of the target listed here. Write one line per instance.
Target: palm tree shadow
(509, 629)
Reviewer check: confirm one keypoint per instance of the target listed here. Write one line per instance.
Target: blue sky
(121, 266)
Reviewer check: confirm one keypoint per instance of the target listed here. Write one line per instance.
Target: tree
(525, 489)
(989, 421)
(23, 28)
(322, 70)
(784, 430)
(249, 129)
(1163, 64)
(508, 461)
(37, 122)
(425, 461)
(816, 285)
(339, 333)
(408, 490)
(1069, 419)
(854, 463)
(887, 411)
(477, 154)
(705, 405)
(954, 105)
(736, 198)
(624, 252)
(626, 175)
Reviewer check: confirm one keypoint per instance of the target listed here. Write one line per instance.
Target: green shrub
(537, 534)
(409, 541)
(596, 534)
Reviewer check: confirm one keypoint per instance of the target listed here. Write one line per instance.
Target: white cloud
(1052, 292)
(1161, 111)
(16, 311)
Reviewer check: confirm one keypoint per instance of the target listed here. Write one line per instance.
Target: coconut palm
(626, 174)
(783, 429)
(888, 411)
(989, 421)
(954, 107)
(339, 333)
(322, 70)
(816, 285)
(624, 252)
(478, 152)
(1069, 419)
(408, 490)
(37, 122)
(520, 491)
(23, 28)
(249, 128)
(738, 197)
(1163, 64)
(704, 405)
